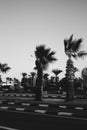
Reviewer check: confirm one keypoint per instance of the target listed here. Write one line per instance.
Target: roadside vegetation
(40, 82)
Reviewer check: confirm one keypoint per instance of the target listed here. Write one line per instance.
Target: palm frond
(82, 54)
(71, 38)
(74, 55)
(52, 53)
(44, 56)
(39, 51)
(75, 69)
(65, 44)
(50, 57)
(76, 45)
(4, 70)
(70, 42)
(4, 67)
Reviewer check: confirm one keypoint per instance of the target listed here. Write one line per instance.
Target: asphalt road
(18, 113)
(35, 121)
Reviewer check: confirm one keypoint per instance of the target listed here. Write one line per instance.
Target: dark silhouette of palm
(56, 73)
(24, 74)
(4, 68)
(44, 56)
(45, 76)
(72, 49)
(32, 74)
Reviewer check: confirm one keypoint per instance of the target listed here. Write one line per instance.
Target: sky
(25, 24)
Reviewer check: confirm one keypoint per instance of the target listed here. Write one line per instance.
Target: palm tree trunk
(39, 85)
(70, 79)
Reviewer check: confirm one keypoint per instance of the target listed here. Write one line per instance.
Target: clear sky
(27, 23)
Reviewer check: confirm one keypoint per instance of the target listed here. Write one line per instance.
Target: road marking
(49, 115)
(45, 95)
(62, 106)
(29, 95)
(26, 104)
(20, 109)
(65, 113)
(54, 96)
(79, 108)
(7, 128)
(43, 105)
(11, 103)
(3, 107)
(40, 111)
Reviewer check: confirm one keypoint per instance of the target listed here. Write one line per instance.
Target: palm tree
(72, 49)
(56, 73)
(8, 79)
(44, 56)
(24, 81)
(32, 74)
(4, 68)
(45, 81)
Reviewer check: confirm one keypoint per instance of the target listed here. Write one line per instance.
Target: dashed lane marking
(25, 104)
(79, 108)
(65, 113)
(20, 109)
(43, 105)
(11, 103)
(40, 111)
(63, 106)
(45, 95)
(4, 107)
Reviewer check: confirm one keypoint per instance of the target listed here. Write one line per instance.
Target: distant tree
(56, 73)
(63, 84)
(44, 56)
(9, 79)
(32, 76)
(45, 81)
(72, 49)
(4, 68)
(24, 74)
(84, 80)
(24, 82)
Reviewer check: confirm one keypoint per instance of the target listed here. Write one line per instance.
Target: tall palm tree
(4, 68)
(56, 73)
(72, 49)
(44, 56)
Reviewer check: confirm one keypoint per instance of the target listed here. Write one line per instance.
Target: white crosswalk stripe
(4, 107)
(43, 105)
(63, 106)
(25, 104)
(65, 113)
(20, 109)
(40, 111)
(79, 108)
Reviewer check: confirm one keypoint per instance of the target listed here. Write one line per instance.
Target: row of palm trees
(44, 56)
